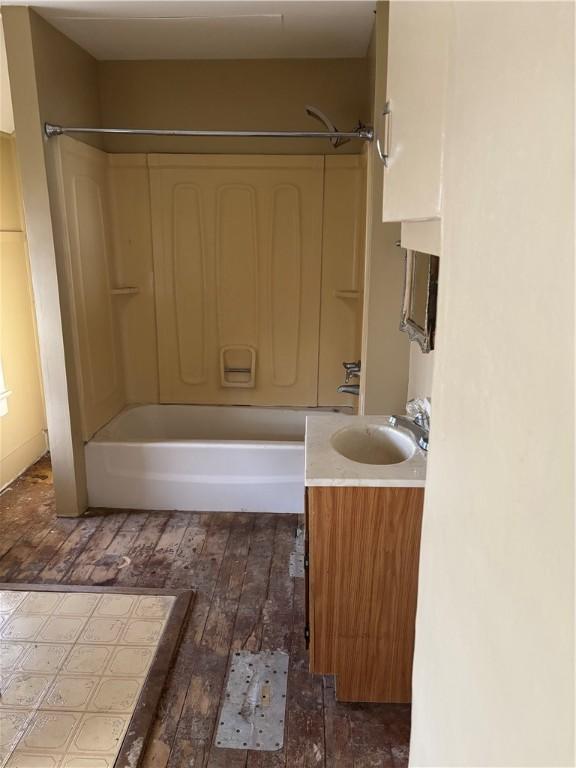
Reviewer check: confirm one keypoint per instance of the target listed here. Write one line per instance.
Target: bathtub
(201, 458)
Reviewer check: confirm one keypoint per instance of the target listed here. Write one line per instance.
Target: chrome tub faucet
(352, 371)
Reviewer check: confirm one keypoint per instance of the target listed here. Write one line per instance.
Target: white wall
(421, 373)
(494, 664)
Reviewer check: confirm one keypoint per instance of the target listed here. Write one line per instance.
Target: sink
(373, 444)
(373, 451)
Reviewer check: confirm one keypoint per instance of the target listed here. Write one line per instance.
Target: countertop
(325, 466)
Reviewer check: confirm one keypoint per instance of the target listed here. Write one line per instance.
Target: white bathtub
(202, 458)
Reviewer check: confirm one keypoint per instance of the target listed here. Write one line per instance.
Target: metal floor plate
(296, 566)
(254, 708)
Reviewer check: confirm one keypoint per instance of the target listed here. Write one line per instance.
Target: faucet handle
(421, 416)
(352, 370)
(423, 420)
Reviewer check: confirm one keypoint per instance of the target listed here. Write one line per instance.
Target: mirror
(419, 305)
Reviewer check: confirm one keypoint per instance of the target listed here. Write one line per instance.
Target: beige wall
(56, 81)
(51, 79)
(6, 113)
(232, 95)
(494, 664)
(67, 79)
(384, 349)
(421, 372)
(22, 426)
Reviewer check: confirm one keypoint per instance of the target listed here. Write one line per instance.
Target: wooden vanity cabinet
(363, 547)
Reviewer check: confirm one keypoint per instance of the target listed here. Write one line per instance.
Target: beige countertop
(326, 466)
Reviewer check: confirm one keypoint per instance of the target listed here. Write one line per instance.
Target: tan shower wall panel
(134, 268)
(237, 256)
(286, 271)
(236, 261)
(342, 274)
(84, 206)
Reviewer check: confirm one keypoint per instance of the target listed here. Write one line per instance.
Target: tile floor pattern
(72, 665)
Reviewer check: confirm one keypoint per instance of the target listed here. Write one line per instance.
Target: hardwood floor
(238, 565)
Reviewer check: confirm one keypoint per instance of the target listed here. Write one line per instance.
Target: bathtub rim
(105, 439)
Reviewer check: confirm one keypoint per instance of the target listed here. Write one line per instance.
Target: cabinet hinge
(306, 562)
(307, 632)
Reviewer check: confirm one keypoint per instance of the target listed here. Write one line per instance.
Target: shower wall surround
(89, 279)
(217, 279)
(237, 265)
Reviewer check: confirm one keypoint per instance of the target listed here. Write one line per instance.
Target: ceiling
(212, 29)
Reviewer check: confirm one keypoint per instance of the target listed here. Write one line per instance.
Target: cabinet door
(418, 48)
(364, 549)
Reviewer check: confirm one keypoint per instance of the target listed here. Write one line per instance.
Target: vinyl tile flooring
(72, 665)
(238, 564)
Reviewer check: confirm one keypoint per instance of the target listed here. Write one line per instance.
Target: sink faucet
(420, 428)
(352, 371)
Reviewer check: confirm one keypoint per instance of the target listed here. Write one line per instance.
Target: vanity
(364, 496)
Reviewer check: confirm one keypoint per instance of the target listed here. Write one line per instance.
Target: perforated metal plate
(254, 708)
(296, 566)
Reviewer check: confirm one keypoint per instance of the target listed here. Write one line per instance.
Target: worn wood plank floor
(238, 565)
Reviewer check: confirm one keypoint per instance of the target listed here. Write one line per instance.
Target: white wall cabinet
(412, 133)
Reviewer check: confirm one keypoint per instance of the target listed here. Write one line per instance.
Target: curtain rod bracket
(53, 130)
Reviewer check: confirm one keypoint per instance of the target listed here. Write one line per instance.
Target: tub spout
(350, 389)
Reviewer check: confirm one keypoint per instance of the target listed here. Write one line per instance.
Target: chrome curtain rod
(363, 132)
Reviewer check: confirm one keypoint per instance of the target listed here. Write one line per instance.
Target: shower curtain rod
(363, 132)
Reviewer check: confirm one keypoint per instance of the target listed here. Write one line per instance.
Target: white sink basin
(365, 451)
(373, 444)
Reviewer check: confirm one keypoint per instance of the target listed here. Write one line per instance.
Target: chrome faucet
(350, 389)
(419, 427)
(352, 371)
